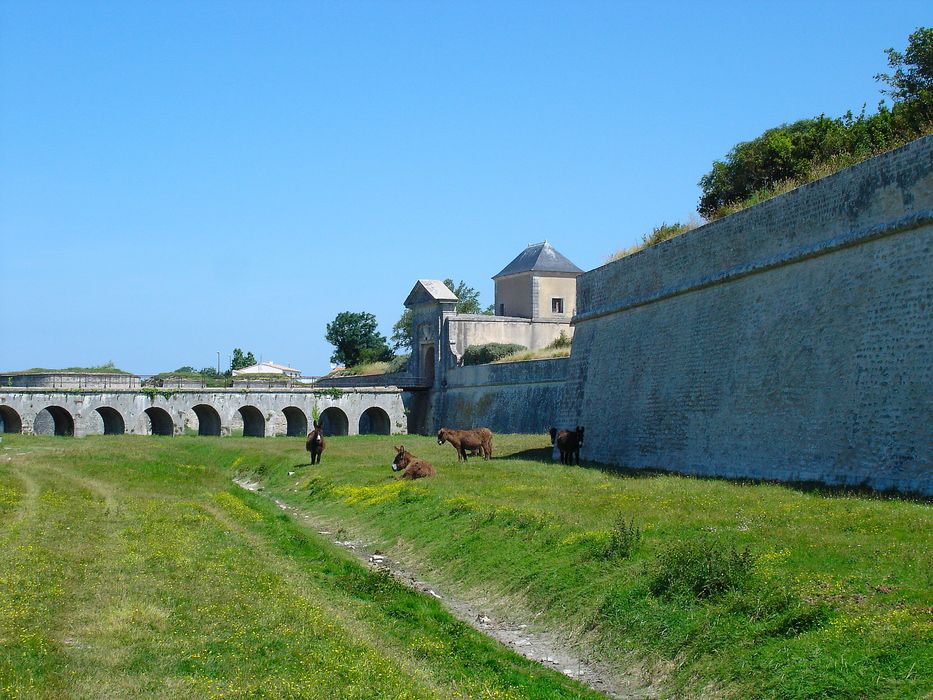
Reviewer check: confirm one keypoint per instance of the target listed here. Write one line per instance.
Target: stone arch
(375, 421)
(10, 420)
(208, 419)
(113, 421)
(160, 422)
(254, 423)
(54, 420)
(296, 422)
(335, 421)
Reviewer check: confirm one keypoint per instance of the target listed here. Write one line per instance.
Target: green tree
(356, 339)
(239, 360)
(468, 297)
(187, 369)
(792, 154)
(402, 332)
(912, 78)
(468, 304)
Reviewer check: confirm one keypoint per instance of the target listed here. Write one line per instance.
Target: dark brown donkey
(315, 443)
(410, 466)
(569, 443)
(463, 440)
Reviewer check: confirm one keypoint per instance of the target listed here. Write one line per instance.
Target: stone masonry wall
(513, 397)
(791, 341)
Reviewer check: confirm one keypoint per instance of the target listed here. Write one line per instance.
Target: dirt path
(535, 645)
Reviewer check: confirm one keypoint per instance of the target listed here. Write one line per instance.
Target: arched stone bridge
(250, 412)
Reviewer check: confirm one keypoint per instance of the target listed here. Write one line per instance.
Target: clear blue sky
(180, 178)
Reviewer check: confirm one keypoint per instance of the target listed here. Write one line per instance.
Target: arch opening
(113, 421)
(296, 422)
(208, 419)
(375, 421)
(335, 421)
(427, 367)
(54, 420)
(160, 422)
(254, 423)
(10, 420)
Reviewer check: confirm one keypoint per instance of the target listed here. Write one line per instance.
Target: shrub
(542, 354)
(624, 539)
(399, 363)
(484, 354)
(701, 568)
(561, 341)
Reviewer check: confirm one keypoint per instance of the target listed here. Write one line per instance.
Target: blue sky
(182, 178)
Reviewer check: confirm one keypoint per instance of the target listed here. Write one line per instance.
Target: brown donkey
(410, 466)
(315, 443)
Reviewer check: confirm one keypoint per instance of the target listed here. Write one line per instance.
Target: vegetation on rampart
(664, 232)
(794, 154)
(106, 368)
(790, 155)
(560, 347)
(397, 364)
(489, 352)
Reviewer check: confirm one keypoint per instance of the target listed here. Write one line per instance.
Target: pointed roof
(429, 290)
(539, 257)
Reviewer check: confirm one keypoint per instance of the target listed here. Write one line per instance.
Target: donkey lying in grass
(463, 440)
(315, 443)
(410, 466)
(569, 443)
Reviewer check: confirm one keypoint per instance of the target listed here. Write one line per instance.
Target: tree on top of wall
(356, 339)
(468, 303)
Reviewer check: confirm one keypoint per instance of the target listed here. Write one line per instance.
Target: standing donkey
(315, 443)
(569, 443)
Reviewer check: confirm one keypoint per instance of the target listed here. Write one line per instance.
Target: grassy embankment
(832, 599)
(131, 566)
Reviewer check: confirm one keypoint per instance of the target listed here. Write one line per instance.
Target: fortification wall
(465, 330)
(70, 380)
(790, 341)
(512, 397)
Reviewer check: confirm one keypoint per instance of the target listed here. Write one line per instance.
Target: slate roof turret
(539, 257)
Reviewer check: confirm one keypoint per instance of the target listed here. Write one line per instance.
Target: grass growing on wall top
(107, 368)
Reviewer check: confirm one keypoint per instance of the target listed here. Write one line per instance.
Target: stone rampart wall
(791, 341)
(71, 380)
(512, 397)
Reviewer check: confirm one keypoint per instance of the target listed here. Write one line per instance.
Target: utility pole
(218, 362)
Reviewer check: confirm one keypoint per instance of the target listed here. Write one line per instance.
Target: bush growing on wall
(490, 352)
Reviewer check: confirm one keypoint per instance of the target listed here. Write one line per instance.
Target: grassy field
(134, 567)
(718, 588)
(131, 566)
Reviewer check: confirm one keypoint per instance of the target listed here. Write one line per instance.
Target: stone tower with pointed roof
(538, 284)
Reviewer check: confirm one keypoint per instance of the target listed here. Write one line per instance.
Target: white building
(268, 368)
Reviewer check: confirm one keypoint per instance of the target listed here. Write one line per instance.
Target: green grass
(132, 567)
(129, 566)
(107, 368)
(832, 598)
(541, 354)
